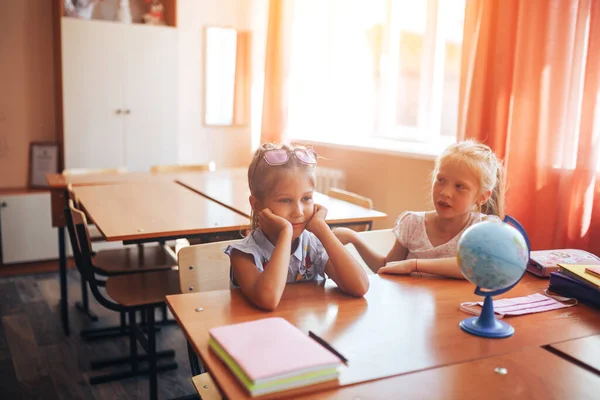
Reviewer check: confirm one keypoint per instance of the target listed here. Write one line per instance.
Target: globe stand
(486, 324)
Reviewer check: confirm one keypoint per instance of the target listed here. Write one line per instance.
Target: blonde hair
(262, 177)
(480, 159)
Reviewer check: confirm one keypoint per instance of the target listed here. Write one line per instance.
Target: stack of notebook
(577, 281)
(544, 262)
(271, 355)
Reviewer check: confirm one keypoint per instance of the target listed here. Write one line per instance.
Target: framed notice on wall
(43, 159)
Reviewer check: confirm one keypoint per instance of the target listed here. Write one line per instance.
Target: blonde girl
(290, 240)
(468, 187)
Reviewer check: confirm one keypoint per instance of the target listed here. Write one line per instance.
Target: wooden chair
(121, 261)
(379, 240)
(206, 387)
(203, 267)
(353, 198)
(124, 261)
(156, 169)
(125, 294)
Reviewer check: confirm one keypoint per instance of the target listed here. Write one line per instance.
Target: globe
(492, 255)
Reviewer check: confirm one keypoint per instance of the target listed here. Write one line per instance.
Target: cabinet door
(93, 74)
(27, 232)
(150, 96)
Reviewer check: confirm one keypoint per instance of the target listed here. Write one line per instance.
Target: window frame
(401, 138)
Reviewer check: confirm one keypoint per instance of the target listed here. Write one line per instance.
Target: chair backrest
(71, 217)
(381, 241)
(204, 267)
(350, 197)
(81, 245)
(83, 171)
(353, 198)
(78, 235)
(181, 168)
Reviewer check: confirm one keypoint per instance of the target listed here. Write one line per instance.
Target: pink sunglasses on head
(282, 156)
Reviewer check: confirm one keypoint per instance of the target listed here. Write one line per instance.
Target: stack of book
(544, 262)
(581, 282)
(271, 355)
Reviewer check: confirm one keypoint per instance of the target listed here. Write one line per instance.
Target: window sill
(418, 150)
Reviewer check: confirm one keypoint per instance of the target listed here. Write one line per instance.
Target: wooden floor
(38, 362)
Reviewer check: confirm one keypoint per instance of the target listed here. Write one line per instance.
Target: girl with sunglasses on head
(290, 241)
(467, 187)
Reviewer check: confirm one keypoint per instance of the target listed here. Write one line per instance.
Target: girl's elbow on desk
(358, 290)
(266, 302)
(267, 297)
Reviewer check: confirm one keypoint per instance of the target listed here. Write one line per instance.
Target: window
(363, 70)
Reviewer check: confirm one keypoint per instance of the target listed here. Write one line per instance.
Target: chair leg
(195, 365)
(151, 351)
(148, 343)
(99, 364)
(132, 343)
(165, 314)
(112, 331)
(95, 380)
(123, 322)
(62, 278)
(84, 306)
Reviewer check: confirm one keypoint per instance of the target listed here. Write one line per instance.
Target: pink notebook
(543, 262)
(271, 347)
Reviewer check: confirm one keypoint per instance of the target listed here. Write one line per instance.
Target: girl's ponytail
(495, 204)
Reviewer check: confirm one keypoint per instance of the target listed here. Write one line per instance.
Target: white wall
(227, 146)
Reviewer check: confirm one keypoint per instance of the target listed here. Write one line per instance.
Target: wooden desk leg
(62, 274)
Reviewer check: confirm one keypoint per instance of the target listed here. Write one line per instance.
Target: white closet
(26, 232)
(119, 94)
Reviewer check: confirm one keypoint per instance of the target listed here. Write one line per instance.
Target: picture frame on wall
(43, 159)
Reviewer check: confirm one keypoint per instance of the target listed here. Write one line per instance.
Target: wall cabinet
(26, 231)
(119, 86)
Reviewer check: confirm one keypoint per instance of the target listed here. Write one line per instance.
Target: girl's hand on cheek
(317, 219)
(271, 224)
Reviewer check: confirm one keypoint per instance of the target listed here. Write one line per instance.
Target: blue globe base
(500, 329)
(486, 325)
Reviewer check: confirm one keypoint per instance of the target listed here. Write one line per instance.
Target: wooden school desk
(585, 351)
(59, 194)
(58, 184)
(150, 211)
(530, 373)
(404, 324)
(230, 188)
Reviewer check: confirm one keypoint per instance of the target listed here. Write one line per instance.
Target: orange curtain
(274, 114)
(530, 89)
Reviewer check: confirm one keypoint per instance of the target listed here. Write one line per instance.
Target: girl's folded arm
(342, 267)
(372, 258)
(436, 266)
(264, 289)
(441, 266)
